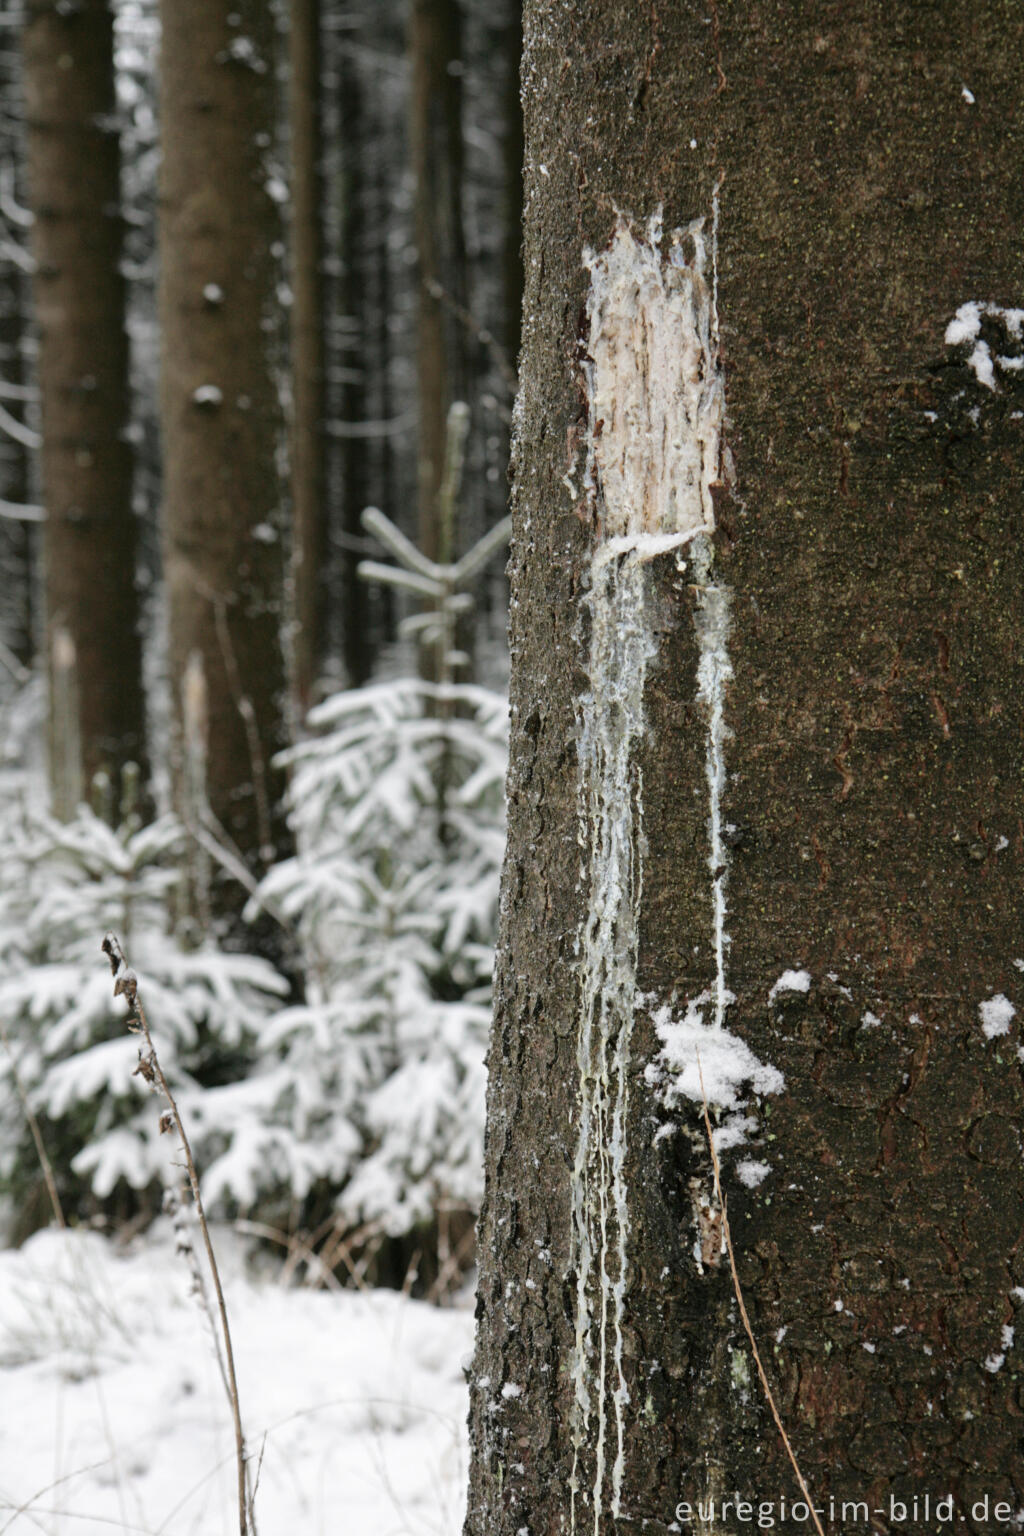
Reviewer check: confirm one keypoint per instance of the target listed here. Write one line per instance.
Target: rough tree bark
(308, 344)
(220, 234)
(790, 746)
(96, 717)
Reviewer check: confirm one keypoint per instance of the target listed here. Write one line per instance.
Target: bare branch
(37, 1135)
(18, 430)
(403, 549)
(22, 512)
(483, 550)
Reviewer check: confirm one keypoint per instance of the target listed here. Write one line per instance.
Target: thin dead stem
(727, 1237)
(299, 1250)
(25, 1508)
(245, 709)
(126, 985)
(243, 704)
(37, 1135)
(485, 337)
(211, 837)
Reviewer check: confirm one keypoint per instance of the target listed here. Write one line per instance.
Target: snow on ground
(113, 1416)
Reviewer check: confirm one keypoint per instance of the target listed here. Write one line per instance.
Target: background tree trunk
(512, 165)
(92, 612)
(18, 527)
(18, 535)
(358, 300)
(220, 234)
(308, 344)
(436, 154)
(856, 616)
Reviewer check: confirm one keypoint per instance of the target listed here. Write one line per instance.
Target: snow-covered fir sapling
(126, 985)
(366, 1099)
(385, 1054)
(395, 901)
(442, 584)
(62, 879)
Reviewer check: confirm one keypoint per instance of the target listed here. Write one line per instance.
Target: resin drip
(611, 723)
(713, 673)
(654, 420)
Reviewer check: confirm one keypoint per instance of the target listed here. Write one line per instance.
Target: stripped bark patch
(654, 389)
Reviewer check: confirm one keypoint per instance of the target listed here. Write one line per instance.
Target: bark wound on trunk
(654, 399)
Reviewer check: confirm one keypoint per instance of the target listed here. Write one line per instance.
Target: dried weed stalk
(727, 1239)
(37, 1135)
(126, 985)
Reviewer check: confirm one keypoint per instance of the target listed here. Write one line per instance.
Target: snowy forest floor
(113, 1416)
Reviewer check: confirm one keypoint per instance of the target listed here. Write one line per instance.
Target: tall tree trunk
(18, 525)
(17, 534)
(512, 161)
(356, 299)
(436, 152)
(92, 610)
(220, 230)
(765, 801)
(308, 344)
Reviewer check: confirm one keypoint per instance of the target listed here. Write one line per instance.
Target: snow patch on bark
(996, 1014)
(729, 1067)
(964, 330)
(751, 1172)
(793, 981)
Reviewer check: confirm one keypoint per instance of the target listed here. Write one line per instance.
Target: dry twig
(126, 985)
(727, 1238)
(37, 1135)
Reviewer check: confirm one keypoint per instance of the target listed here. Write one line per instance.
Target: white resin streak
(654, 448)
(611, 723)
(713, 673)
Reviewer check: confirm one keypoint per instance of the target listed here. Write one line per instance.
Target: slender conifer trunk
(436, 150)
(225, 484)
(308, 343)
(96, 715)
(360, 296)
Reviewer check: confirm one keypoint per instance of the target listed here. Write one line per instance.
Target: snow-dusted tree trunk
(220, 234)
(765, 799)
(92, 613)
